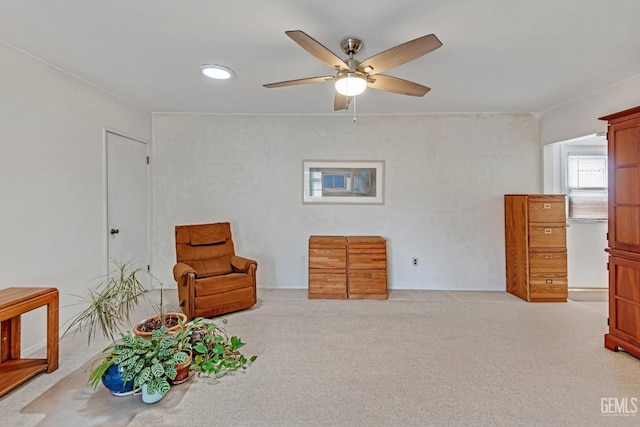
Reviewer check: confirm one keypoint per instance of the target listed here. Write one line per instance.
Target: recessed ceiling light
(214, 71)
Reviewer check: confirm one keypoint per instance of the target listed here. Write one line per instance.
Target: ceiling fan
(353, 76)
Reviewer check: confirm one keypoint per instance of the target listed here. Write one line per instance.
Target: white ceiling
(497, 55)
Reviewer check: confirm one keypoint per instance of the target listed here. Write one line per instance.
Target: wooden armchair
(212, 280)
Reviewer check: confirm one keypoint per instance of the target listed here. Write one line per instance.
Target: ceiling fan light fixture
(351, 84)
(214, 71)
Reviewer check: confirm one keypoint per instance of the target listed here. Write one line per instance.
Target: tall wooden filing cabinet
(624, 231)
(536, 247)
(342, 267)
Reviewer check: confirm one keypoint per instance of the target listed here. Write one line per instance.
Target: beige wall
(445, 177)
(52, 179)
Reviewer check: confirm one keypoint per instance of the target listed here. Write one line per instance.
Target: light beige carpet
(72, 402)
(419, 358)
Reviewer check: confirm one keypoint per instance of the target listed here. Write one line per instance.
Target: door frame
(105, 175)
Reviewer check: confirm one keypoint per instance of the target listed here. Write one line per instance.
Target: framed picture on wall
(343, 181)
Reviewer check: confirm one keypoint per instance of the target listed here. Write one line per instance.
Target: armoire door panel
(626, 188)
(626, 148)
(626, 227)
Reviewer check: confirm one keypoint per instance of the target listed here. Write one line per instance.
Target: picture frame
(343, 181)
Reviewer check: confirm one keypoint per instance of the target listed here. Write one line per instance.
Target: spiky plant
(110, 305)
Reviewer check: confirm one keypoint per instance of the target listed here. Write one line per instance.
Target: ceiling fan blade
(316, 49)
(396, 85)
(341, 102)
(400, 54)
(299, 81)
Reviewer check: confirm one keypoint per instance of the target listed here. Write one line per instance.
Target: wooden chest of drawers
(328, 267)
(367, 267)
(536, 247)
(352, 267)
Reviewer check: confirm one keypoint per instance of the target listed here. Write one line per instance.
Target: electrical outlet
(414, 261)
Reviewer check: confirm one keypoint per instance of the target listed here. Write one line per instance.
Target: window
(587, 186)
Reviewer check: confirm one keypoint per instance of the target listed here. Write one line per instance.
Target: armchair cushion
(211, 267)
(222, 284)
(202, 236)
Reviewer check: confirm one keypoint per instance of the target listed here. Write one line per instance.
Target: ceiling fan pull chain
(354, 110)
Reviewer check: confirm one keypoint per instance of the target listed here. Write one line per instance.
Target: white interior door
(127, 201)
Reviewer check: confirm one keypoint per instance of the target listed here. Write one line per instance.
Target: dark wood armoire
(624, 231)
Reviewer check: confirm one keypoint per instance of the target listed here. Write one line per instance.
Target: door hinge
(148, 267)
(147, 159)
(607, 266)
(608, 322)
(607, 235)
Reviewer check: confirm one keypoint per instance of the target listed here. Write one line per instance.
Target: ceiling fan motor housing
(351, 46)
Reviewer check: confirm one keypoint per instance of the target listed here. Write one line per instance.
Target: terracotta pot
(145, 334)
(183, 370)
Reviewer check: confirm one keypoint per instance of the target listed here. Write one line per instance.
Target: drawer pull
(367, 276)
(327, 276)
(547, 206)
(549, 281)
(547, 231)
(366, 251)
(547, 256)
(328, 251)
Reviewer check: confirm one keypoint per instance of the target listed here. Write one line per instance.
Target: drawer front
(548, 237)
(546, 210)
(548, 262)
(548, 280)
(327, 258)
(367, 251)
(327, 283)
(547, 292)
(366, 241)
(327, 241)
(376, 259)
(367, 282)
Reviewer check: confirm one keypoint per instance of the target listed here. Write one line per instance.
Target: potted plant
(148, 362)
(110, 305)
(171, 320)
(215, 352)
(108, 310)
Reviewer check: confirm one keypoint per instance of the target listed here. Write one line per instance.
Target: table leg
(52, 334)
(5, 340)
(10, 332)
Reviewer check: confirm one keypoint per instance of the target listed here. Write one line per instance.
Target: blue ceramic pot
(113, 381)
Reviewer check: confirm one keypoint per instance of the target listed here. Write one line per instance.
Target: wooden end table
(13, 303)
